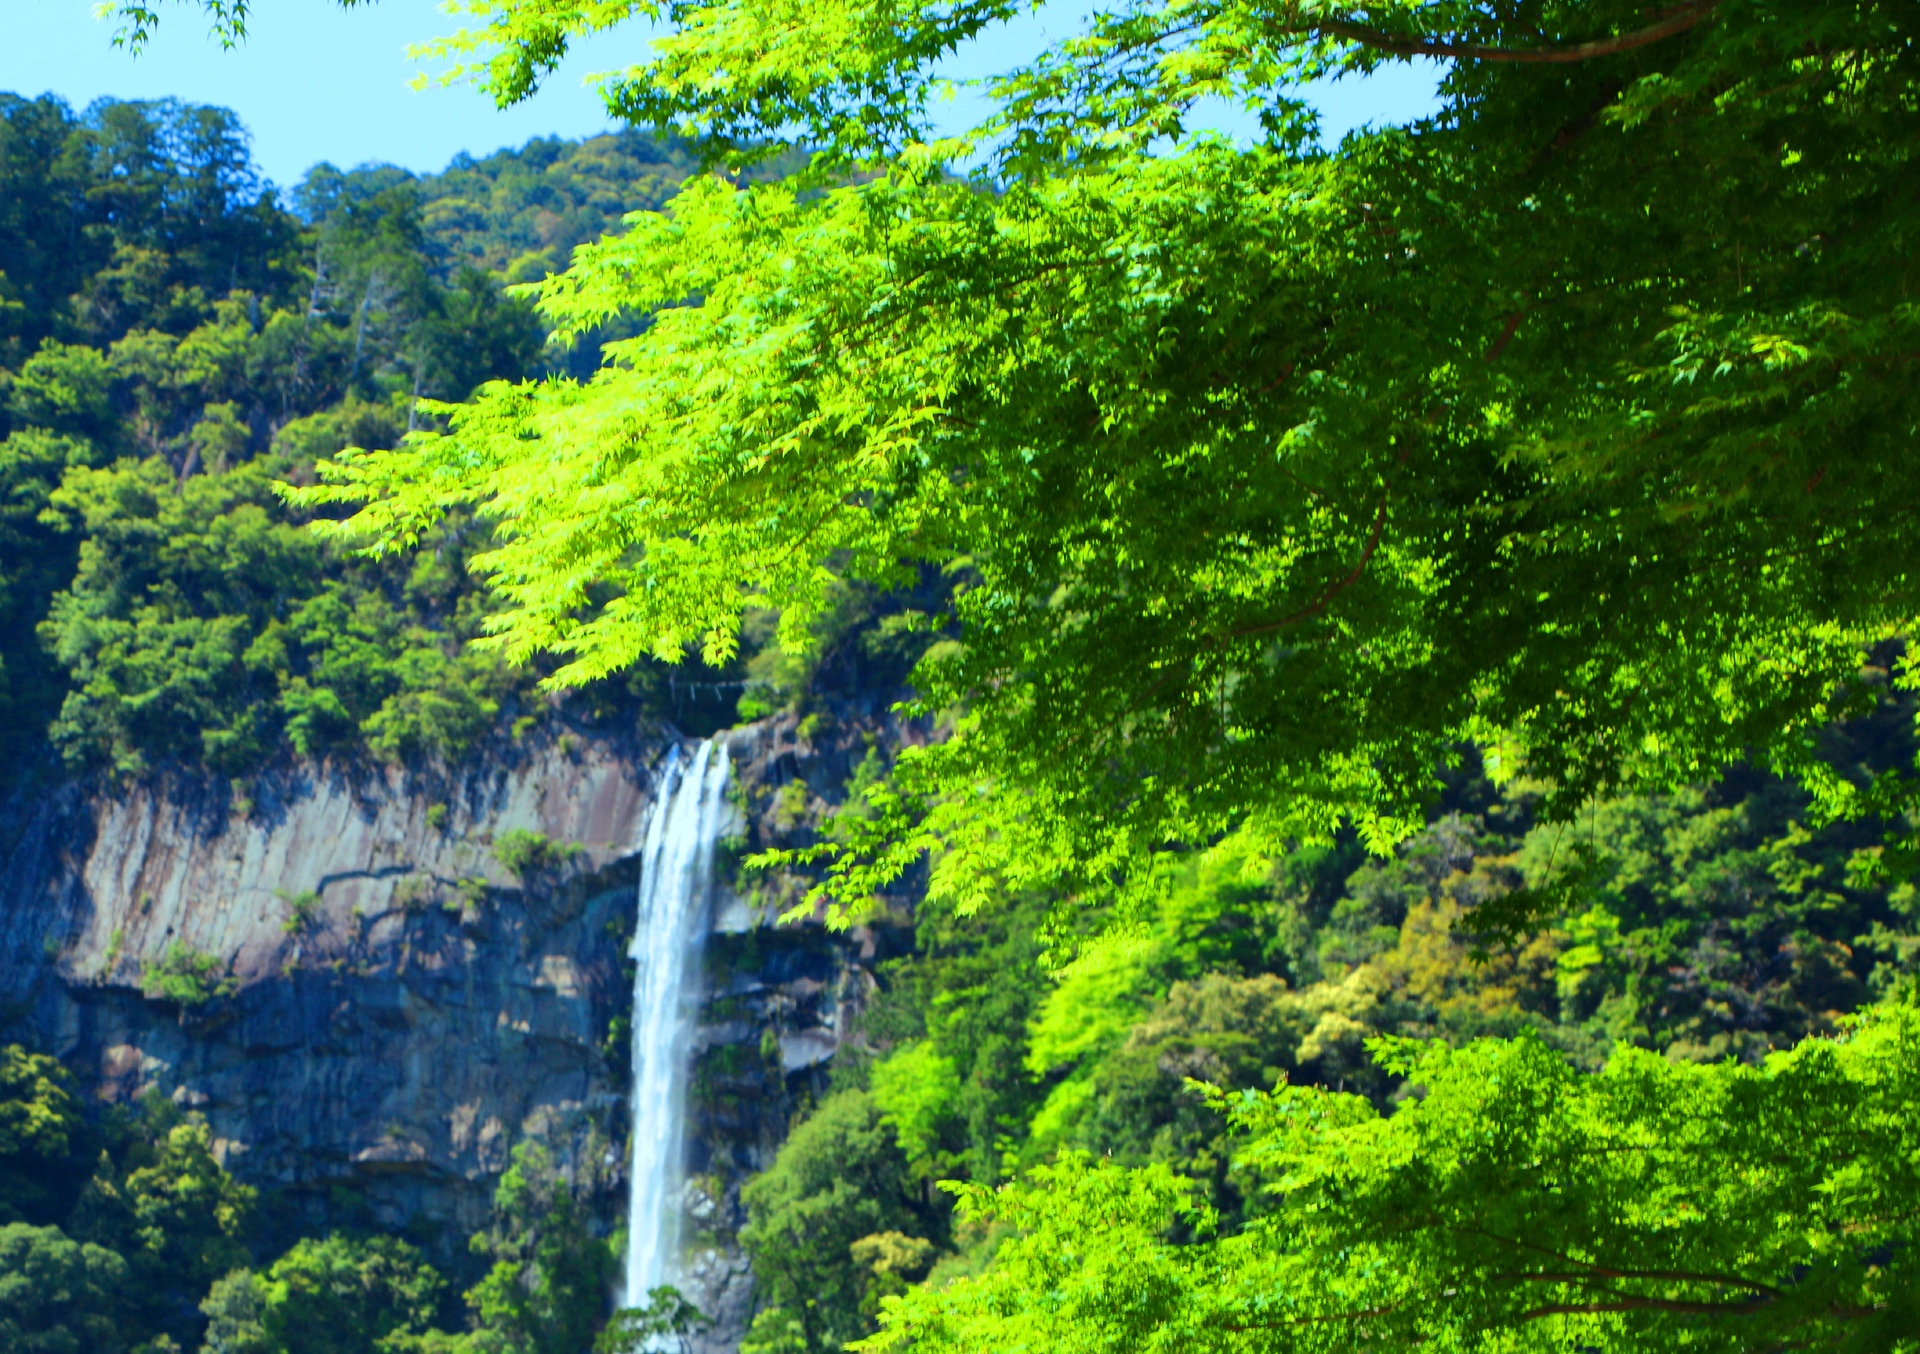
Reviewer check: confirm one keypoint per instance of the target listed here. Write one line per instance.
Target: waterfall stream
(689, 815)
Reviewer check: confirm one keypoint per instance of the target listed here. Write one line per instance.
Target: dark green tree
(546, 1292)
(347, 1295)
(40, 1134)
(840, 1177)
(175, 1216)
(57, 1295)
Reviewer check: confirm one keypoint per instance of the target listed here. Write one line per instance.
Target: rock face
(388, 1008)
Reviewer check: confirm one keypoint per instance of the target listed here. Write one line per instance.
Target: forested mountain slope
(175, 336)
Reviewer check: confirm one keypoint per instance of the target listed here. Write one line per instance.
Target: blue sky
(312, 82)
(315, 82)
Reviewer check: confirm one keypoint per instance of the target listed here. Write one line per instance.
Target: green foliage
(528, 852)
(156, 675)
(1695, 926)
(236, 1312)
(969, 993)
(159, 1201)
(39, 1128)
(840, 1177)
(185, 977)
(667, 1312)
(1276, 472)
(128, 1217)
(169, 1208)
(1652, 1205)
(546, 1290)
(200, 625)
(344, 1295)
(57, 1295)
(916, 1089)
(302, 911)
(517, 214)
(895, 1261)
(174, 343)
(136, 1242)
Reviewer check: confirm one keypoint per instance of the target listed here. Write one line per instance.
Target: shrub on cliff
(185, 977)
(527, 852)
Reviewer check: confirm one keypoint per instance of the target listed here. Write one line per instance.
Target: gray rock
(404, 1008)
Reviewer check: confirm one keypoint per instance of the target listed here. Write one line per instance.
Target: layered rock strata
(389, 1008)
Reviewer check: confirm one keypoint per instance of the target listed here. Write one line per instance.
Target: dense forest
(177, 337)
(1419, 829)
(1706, 925)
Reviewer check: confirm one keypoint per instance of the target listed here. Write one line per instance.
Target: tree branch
(1587, 1274)
(1645, 1305)
(1673, 22)
(1507, 331)
(1339, 585)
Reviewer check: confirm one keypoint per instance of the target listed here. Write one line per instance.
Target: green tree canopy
(57, 1295)
(840, 1179)
(1515, 1204)
(546, 1290)
(174, 339)
(1572, 419)
(39, 1123)
(345, 1295)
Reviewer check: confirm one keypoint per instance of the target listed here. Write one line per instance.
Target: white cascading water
(689, 815)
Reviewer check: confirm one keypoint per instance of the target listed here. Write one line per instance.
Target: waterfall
(687, 819)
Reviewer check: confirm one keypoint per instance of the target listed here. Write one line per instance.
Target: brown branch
(1507, 332)
(1339, 585)
(1284, 1323)
(1675, 22)
(1589, 1273)
(1576, 129)
(1286, 373)
(1644, 1305)
(1604, 1272)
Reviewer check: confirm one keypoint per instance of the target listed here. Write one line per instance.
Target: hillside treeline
(176, 335)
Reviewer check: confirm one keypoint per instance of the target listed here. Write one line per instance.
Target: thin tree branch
(1645, 1305)
(1339, 585)
(1674, 22)
(1601, 1271)
(1591, 1272)
(1507, 331)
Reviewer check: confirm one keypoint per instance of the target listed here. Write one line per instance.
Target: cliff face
(392, 1007)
